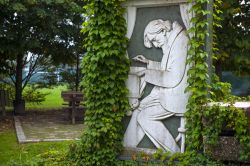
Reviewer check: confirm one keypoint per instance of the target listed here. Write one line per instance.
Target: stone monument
(158, 47)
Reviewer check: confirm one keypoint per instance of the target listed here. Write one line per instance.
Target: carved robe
(169, 76)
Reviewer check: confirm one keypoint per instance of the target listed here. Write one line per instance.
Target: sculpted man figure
(169, 78)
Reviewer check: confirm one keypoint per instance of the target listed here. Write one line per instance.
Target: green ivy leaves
(105, 69)
(215, 117)
(198, 75)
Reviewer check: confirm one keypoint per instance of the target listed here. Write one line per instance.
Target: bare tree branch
(36, 64)
(11, 77)
(7, 82)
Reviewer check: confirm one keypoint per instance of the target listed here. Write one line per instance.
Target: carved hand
(141, 58)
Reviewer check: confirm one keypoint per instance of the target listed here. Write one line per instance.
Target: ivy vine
(197, 110)
(105, 69)
(197, 76)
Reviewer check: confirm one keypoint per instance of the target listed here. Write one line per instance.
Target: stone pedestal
(228, 147)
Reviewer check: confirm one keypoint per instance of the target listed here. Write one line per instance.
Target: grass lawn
(10, 150)
(52, 101)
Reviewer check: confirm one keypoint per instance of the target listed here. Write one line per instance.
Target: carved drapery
(130, 18)
(186, 15)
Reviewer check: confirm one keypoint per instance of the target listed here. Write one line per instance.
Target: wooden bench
(73, 100)
(4, 101)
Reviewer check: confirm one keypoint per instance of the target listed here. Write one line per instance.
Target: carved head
(155, 33)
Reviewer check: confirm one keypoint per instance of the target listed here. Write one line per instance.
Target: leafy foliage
(41, 27)
(234, 37)
(31, 94)
(224, 117)
(69, 76)
(197, 109)
(198, 76)
(52, 157)
(105, 69)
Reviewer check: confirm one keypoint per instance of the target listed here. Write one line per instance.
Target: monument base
(227, 149)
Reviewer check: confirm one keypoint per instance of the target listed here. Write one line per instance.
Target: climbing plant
(203, 92)
(105, 69)
(197, 75)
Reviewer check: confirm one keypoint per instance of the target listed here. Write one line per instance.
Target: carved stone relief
(169, 79)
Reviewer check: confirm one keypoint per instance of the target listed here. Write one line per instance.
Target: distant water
(240, 84)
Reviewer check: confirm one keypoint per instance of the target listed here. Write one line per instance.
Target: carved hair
(155, 27)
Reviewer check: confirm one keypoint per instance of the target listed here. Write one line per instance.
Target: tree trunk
(19, 104)
(218, 69)
(77, 81)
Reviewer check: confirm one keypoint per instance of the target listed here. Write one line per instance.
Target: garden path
(53, 125)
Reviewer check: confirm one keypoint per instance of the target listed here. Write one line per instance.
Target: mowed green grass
(10, 150)
(53, 99)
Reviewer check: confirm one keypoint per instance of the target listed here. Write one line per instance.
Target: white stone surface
(153, 3)
(135, 84)
(130, 17)
(133, 5)
(243, 105)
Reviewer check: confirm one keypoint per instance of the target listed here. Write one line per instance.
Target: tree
(71, 74)
(234, 37)
(41, 27)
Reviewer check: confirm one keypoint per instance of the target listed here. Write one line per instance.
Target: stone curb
(19, 130)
